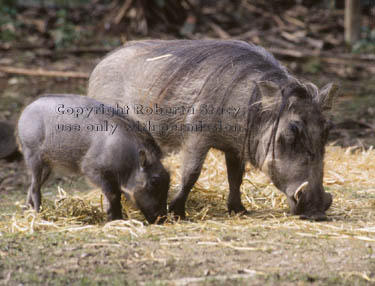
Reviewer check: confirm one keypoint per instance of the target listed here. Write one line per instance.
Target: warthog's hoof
(237, 209)
(115, 215)
(177, 210)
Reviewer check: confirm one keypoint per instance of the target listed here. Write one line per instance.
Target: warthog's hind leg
(39, 174)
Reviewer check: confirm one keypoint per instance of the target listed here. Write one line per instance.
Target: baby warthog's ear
(326, 96)
(268, 91)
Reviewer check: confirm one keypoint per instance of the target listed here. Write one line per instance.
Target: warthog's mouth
(315, 217)
(150, 214)
(299, 205)
(156, 218)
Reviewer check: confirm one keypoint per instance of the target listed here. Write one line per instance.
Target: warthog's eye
(291, 134)
(295, 127)
(296, 138)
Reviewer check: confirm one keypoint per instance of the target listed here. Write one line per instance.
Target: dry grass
(349, 175)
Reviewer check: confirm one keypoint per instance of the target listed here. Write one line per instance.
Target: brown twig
(124, 8)
(41, 72)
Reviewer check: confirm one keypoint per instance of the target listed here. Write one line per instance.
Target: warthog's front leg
(193, 159)
(235, 170)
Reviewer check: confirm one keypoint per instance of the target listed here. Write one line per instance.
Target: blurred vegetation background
(63, 23)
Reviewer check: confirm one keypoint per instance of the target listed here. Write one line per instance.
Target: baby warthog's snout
(159, 217)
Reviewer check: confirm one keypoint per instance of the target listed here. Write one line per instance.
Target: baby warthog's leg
(113, 194)
(235, 170)
(110, 188)
(39, 174)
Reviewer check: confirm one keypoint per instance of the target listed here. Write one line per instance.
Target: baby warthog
(83, 136)
(232, 96)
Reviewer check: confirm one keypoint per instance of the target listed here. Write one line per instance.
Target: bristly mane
(219, 58)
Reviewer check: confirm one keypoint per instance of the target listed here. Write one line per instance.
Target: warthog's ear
(326, 96)
(268, 91)
(142, 158)
(312, 89)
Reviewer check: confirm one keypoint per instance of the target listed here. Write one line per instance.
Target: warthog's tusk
(300, 189)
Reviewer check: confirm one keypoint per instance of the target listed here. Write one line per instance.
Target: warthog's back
(181, 85)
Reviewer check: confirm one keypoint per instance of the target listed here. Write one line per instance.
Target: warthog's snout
(156, 217)
(307, 208)
(153, 214)
(318, 213)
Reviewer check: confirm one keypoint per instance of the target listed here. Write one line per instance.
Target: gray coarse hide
(229, 95)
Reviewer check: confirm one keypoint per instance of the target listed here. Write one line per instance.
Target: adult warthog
(228, 95)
